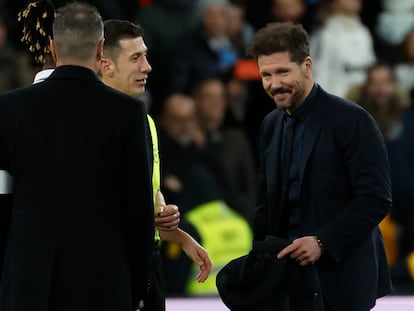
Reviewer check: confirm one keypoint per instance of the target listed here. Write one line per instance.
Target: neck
(94, 66)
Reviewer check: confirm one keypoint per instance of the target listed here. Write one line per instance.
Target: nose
(272, 82)
(276, 82)
(146, 67)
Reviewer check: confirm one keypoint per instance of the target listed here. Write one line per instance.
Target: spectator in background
(393, 23)
(404, 67)
(401, 154)
(206, 52)
(223, 232)
(401, 157)
(240, 31)
(185, 178)
(227, 150)
(296, 11)
(37, 19)
(342, 48)
(288, 10)
(165, 22)
(10, 71)
(383, 98)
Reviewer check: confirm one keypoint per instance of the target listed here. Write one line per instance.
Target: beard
(297, 93)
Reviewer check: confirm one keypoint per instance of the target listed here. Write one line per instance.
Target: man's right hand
(167, 217)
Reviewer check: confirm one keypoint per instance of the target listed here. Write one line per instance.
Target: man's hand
(167, 217)
(305, 251)
(199, 256)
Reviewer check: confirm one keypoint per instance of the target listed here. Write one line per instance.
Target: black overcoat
(345, 192)
(82, 225)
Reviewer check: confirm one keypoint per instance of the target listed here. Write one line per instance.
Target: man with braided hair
(37, 19)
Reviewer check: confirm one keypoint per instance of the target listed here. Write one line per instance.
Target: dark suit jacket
(345, 193)
(82, 224)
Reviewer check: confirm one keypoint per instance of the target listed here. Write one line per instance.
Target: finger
(198, 259)
(306, 262)
(202, 276)
(167, 224)
(169, 219)
(287, 250)
(301, 254)
(204, 273)
(168, 213)
(169, 210)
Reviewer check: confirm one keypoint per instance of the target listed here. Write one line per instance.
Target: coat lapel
(313, 127)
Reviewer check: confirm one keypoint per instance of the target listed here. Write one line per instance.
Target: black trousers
(155, 300)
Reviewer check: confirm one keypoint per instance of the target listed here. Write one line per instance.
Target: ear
(52, 46)
(308, 65)
(99, 51)
(107, 67)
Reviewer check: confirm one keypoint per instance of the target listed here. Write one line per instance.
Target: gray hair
(77, 30)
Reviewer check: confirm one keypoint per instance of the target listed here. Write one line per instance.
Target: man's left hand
(305, 251)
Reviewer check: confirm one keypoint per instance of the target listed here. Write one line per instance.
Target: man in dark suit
(81, 230)
(331, 190)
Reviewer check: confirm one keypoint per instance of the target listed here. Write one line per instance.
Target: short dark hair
(281, 37)
(116, 30)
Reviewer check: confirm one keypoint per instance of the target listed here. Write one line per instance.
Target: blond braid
(37, 18)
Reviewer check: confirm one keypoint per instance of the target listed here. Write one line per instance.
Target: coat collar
(69, 72)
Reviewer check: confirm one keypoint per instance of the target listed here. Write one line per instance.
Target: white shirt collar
(42, 75)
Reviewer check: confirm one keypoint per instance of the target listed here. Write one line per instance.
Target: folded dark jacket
(258, 281)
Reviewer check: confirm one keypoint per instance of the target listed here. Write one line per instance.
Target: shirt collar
(42, 75)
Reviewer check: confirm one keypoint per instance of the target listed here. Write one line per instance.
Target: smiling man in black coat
(330, 192)
(81, 227)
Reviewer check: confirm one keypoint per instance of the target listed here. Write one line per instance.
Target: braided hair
(37, 18)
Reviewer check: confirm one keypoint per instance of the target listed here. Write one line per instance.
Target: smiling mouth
(281, 94)
(142, 81)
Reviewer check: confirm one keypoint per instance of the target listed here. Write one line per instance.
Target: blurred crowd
(206, 97)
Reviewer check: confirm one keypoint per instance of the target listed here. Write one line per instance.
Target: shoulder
(117, 98)
(343, 116)
(13, 99)
(336, 104)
